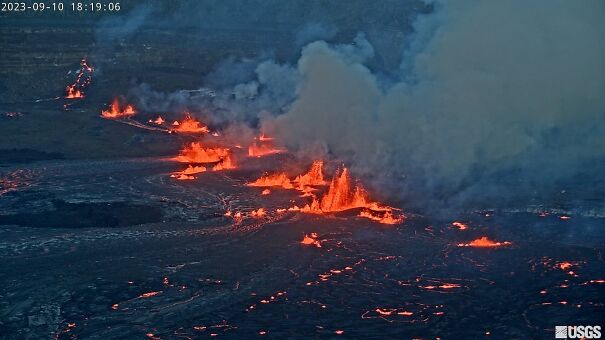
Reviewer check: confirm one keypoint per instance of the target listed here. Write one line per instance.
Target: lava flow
(196, 153)
(275, 180)
(83, 79)
(386, 218)
(190, 125)
(484, 242)
(115, 112)
(226, 164)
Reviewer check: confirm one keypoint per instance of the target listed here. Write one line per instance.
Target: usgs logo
(577, 332)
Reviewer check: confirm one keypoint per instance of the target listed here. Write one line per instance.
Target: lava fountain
(115, 112)
(83, 79)
(190, 125)
(196, 153)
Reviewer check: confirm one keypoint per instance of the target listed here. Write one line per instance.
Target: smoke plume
(491, 100)
(493, 97)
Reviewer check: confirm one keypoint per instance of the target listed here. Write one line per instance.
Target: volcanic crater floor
(187, 271)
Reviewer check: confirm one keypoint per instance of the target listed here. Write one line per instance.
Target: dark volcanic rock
(11, 156)
(83, 215)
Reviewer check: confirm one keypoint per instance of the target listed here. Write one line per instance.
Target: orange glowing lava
(158, 121)
(313, 177)
(115, 112)
(191, 170)
(266, 192)
(260, 150)
(83, 79)
(73, 92)
(460, 225)
(484, 242)
(311, 239)
(190, 125)
(342, 195)
(182, 177)
(263, 146)
(196, 153)
(260, 212)
(564, 265)
(149, 294)
(384, 311)
(226, 164)
(274, 180)
(386, 218)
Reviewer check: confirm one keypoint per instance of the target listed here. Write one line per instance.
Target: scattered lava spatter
(116, 112)
(484, 242)
(83, 79)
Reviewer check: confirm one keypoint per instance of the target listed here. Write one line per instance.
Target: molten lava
(342, 195)
(263, 146)
(192, 170)
(83, 79)
(190, 125)
(484, 242)
(460, 225)
(73, 92)
(182, 177)
(260, 150)
(314, 177)
(275, 180)
(116, 112)
(196, 153)
(260, 212)
(158, 121)
(311, 239)
(226, 164)
(386, 218)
